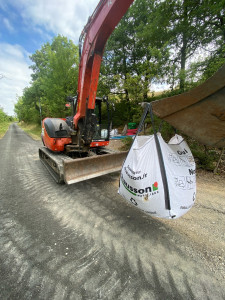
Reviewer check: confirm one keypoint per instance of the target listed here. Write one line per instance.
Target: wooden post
(217, 165)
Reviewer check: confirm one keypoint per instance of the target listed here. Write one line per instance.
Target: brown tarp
(199, 113)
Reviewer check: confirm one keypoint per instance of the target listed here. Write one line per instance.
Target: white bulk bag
(142, 182)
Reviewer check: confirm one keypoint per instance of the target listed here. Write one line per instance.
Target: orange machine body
(55, 133)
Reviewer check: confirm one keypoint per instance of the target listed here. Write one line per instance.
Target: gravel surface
(204, 225)
(85, 242)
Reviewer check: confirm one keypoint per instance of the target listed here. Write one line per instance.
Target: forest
(170, 44)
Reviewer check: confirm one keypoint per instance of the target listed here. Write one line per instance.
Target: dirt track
(204, 225)
(85, 242)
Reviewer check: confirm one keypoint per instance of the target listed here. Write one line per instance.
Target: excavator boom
(100, 25)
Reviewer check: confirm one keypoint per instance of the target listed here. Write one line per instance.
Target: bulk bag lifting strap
(157, 177)
(148, 108)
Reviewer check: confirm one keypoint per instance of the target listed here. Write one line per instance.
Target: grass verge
(3, 128)
(33, 130)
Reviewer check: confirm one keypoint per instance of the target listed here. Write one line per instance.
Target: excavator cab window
(102, 113)
(73, 105)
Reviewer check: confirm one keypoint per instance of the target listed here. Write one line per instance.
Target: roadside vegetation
(3, 128)
(34, 130)
(206, 158)
(175, 45)
(5, 121)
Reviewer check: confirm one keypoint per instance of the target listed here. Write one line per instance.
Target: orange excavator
(74, 147)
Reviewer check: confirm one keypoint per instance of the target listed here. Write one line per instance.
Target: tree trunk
(184, 46)
(126, 90)
(219, 160)
(145, 94)
(222, 27)
(183, 65)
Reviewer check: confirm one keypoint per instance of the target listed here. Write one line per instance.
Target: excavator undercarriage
(64, 168)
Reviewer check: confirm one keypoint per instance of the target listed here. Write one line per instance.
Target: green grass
(3, 128)
(33, 130)
(127, 142)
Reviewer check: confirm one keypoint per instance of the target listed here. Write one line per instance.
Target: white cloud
(14, 66)
(60, 17)
(64, 17)
(44, 17)
(8, 25)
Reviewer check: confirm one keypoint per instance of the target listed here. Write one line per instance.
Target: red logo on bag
(155, 186)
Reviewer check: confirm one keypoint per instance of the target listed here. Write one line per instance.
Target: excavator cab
(57, 133)
(64, 158)
(102, 113)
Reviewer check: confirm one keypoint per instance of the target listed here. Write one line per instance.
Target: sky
(25, 25)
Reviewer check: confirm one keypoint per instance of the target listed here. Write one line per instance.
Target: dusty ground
(204, 225)
(115, 144)
(84, 241)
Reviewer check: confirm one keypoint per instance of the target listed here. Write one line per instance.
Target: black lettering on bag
(182, 152)
(192, 172)
(132, 200)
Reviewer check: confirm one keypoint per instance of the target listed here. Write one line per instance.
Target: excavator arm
(95, 34)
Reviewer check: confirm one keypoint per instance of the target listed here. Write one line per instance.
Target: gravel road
(85, 242)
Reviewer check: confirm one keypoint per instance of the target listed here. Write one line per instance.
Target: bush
(127, 142)
(205, 158)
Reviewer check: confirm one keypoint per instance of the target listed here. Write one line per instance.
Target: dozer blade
(199, 113)
(69, 170)
(86, 168)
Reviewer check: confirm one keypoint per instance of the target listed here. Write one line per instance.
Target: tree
(195, 28)
(56, 71)
(135, 55)
(214, 18)
(4, 117)
(55, 74)
(27, 106)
